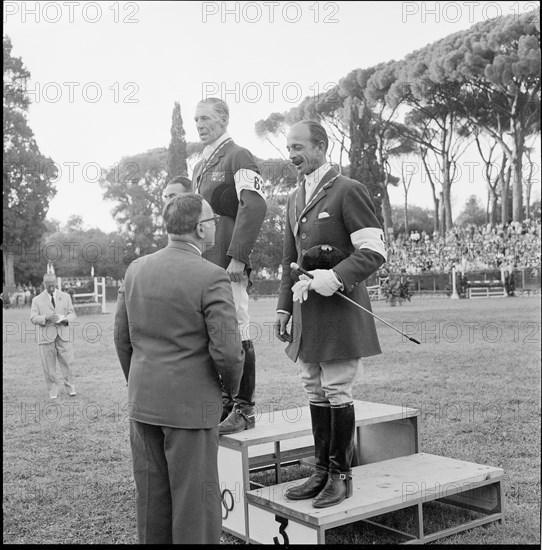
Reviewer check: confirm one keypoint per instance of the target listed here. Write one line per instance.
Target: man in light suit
(177, 340)
(229, 179)
(332, 232)
(52, 311)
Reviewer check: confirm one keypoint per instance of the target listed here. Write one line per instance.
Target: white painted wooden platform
(285, 437)
(379, 488)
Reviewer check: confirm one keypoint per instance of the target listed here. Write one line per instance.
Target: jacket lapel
(320, 191)
(214, 159)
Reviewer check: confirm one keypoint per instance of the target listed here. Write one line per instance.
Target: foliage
(397, 288)
(27, 174)
(473, 213)
(137, 183)
(419, 219)
(177, 154)
(268, 248)
(83, 249)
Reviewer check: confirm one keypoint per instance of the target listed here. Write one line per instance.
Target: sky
(105, 76)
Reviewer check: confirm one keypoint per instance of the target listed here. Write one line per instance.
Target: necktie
(53, 300)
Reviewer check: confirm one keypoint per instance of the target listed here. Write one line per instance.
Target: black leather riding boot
(321, 431)
(339, 482)
(238, 414)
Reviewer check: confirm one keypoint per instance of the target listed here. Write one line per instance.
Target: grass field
(475, 379)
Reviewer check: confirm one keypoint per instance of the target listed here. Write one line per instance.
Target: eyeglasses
(215, 219)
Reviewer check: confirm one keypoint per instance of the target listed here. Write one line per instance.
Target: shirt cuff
(283, 311)
(339, 280)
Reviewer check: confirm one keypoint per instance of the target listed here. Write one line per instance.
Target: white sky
(106, 75)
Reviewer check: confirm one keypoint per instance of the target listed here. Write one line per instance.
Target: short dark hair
(317, 133)
(219, 106)
(183, 180)
(182, 212)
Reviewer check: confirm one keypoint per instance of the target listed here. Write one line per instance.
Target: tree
(271, 126)
(497, 64)
(176, 158)
(268, 248)
(473, 212)
(83, 249)
(363, 146)
(137, 183)
(27, 174)
(419, 219)
(279, 175)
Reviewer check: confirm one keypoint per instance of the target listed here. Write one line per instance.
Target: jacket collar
(184, 245)
(319, 193)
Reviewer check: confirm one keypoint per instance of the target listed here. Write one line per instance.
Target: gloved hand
(301, 289)
(325, 282)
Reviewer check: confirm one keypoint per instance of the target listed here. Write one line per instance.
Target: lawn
(475, 378)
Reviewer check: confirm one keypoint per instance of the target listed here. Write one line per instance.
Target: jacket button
(303, 252)
(303, 235)
(303, 219)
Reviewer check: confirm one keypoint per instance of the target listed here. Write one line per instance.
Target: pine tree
(176, 160)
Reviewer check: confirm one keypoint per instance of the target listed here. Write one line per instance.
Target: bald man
(53, 311)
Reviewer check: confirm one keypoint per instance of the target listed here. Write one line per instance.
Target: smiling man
(333, 233)
(229, 179)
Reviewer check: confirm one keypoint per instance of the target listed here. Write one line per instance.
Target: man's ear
(200, 232)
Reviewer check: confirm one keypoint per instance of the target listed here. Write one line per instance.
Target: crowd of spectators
(512, 246)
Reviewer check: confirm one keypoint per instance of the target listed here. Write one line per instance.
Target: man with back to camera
(333, 233)
(177, 340)
(229, 179)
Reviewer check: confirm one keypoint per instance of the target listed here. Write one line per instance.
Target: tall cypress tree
(176, 158)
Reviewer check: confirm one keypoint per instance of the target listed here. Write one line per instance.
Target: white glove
(325, 282)
(301, 289)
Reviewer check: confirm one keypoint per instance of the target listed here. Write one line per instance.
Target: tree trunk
(505, 183)
(436, 214)
(492, 206)
(9, 273)
(386, 212)
(446, 193)
(517, 182)
(406, 215)
(442, 215)
(517, 190)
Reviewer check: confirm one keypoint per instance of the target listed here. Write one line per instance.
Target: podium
(282, 438)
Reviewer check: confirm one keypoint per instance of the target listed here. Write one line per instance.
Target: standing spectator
(229, 179)
(334, 216)
(176, 334)
(52, 311)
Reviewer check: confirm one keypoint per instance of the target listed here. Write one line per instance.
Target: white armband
(371, 238)
(248, 179)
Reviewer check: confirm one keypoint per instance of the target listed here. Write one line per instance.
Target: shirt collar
(209, 149)
(314, 178)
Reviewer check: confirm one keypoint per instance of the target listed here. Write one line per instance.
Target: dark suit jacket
(241, 218)
(328, 328)
(175, 333)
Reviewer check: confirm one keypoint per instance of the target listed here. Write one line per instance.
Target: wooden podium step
(379, 488)
(285, 437)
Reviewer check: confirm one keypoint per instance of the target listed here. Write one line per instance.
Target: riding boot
(321, 431)
(241, 414)
(339, 482)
